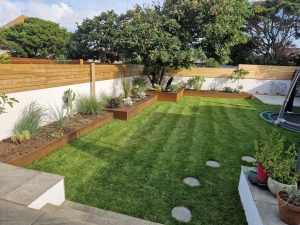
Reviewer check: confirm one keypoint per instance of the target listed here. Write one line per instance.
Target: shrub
(114, 103)
(176, 87)
(68, 100)
(20, 137)
(139, 82)
(30, 122)
(58, 116)
(212, 63)
(239, 74)
(5, 100)
(4, 58)
(89, 105)
(126, 87)
(278, 160)
(228, 89)
(196, 83)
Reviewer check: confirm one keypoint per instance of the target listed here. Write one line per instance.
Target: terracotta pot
(262, 175)
(275, 186)
(288, 213)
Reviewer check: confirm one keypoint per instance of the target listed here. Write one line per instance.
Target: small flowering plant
(127, 101)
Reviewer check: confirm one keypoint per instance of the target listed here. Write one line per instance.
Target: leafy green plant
(278, 160)
(293, 196)
(68, 100)
(89, 105)
(239, 74)
(196, 83)
(61, 59)
(139, 82)
(212, 63)
(32, 118)
(176, 87)
(114, 103)
(4, 58)
(58, 116)
(126, 87)
(228, 89)
(18, 138)
(5, 100)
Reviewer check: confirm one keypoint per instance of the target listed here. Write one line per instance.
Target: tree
(35, 38)
(94, 38)
(149, 37)
(212, 26)
(273, 27)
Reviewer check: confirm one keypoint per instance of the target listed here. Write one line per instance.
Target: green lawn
(137, 167)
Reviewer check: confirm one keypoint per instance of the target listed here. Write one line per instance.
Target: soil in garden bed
(135, 101)
(218, 94)
(46, 134)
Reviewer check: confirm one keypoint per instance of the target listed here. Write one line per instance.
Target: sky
(66, 12)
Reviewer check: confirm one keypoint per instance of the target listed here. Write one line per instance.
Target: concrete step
(93, 215)
(30, 188)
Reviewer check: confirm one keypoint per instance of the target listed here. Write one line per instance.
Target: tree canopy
(35, 38)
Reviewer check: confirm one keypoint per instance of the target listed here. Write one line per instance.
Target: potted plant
(289, 206)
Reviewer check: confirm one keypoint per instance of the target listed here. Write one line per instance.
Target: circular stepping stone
(191, 181)
(248, 159)
(213, 164)
(182, 214)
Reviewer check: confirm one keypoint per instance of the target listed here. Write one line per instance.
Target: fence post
(93, 80)
(81, 61)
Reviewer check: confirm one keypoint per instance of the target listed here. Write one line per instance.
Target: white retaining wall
(50, 97)
(253, 86)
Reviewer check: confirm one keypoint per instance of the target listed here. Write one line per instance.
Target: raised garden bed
(217, 94)
(43, 143)
(125, 113)
(169, 96)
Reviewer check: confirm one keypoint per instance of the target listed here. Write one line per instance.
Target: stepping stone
(248, 159)
(182, 214)
(213, 164)
(191, 181)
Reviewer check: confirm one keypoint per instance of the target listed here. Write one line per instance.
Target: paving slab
(14, 214)
(125, 220)
(214, 164)
(84, 208)
(249, 159)
(191, 181)
(275, 100)
(33, 188)
(49, 219)
(12, 177)
(182, 214)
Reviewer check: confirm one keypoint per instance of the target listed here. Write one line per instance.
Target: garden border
(128, 113)
(218, 94)
(43, 151)
(170, 96)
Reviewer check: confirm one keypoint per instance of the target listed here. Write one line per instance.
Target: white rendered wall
(50, 97)
(253, 86)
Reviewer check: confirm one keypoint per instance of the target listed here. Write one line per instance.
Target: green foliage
(114, 103)
(273, 27)
(94, 38)
(293, 196)
(36, 38)
(30, 121)
(18, 138)
(228, 89)
(4, 58)
(278, 160)
(68, 100)
(239, 74)
(176, 87)
(212, 63)
(58, 116)
(61, 59)
(139, 82)
(195, 83)
(126, 87)
(89, 105)
(212, 26)
(5, 100)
